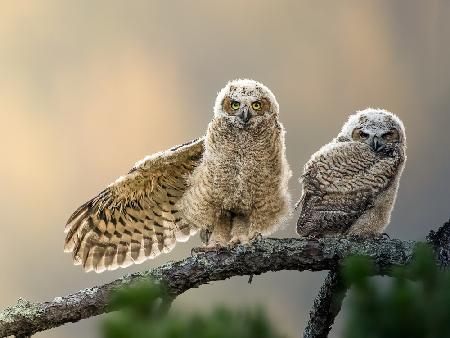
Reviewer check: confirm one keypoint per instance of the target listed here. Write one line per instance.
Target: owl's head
(376, 127)
(245, 103)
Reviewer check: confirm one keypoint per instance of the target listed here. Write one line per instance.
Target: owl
(231, 185)
(350, 184)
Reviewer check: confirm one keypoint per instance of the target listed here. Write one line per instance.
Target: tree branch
(326, 306)
(26, 318)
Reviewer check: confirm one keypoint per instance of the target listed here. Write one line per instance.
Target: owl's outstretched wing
(135, 217)
(340, 182)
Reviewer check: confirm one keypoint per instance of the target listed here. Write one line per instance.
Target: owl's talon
(195, 251)
(384, 236)
(235, 240)
(231, 246)
(256, 237)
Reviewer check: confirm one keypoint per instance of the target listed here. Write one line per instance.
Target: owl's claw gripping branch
(256, 237)
(268, 254)
(385, 235)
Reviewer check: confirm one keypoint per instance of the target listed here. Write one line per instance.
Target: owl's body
(350, 185)
(231, 184)
(240, 188)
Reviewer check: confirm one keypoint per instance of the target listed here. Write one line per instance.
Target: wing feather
(135, 217)
(340, 183)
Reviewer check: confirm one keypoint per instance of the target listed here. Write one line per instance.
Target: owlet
(231, 184)
(350, 184)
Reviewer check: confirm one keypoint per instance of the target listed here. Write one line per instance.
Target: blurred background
(89, 87)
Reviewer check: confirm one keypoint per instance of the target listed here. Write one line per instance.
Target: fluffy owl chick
(239, 190)
(350, 184)
(231, 184)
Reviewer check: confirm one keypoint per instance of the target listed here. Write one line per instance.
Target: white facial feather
(374, 122)
(244, 91)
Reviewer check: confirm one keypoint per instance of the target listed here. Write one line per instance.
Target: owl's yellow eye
(235, 105)
(256, 105)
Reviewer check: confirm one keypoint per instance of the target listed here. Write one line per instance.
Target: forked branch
(328, 302)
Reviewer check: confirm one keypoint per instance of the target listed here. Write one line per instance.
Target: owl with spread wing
(350, 184)
(231, 185)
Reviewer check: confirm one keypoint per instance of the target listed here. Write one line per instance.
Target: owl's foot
(236, 240)
(383, 236)
(256, 237)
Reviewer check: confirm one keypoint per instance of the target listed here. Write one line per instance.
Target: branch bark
(26, 318)
(327, 306)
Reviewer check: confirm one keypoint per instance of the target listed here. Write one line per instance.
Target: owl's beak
(377, 144)
(245, 114)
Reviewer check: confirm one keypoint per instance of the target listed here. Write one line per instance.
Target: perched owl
(350, 184)
(231, 184)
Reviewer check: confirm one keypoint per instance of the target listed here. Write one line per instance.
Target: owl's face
(378, 128)
(245, 103)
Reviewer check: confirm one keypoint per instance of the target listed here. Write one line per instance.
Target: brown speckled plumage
(240, 188)
(348, 186)
(135, 217)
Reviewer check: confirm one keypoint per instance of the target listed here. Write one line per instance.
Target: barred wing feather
(134, 218)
